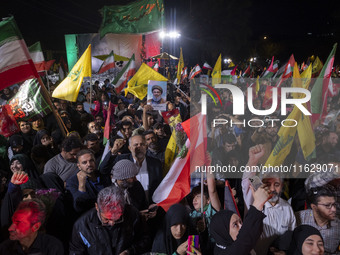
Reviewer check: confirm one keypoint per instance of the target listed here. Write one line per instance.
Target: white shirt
(278, 220)
(143, 175)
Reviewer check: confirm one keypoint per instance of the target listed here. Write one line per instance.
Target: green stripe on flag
(119, 76)
(9, 31)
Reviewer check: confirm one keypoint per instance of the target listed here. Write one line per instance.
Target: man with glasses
(322, 216)
(112, 227)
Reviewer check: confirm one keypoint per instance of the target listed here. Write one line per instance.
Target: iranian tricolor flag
(155, 67)
(321, 88)
(196, 70)
(108, 63)
(37, 56)
(207, 66)
(125, 75)
(16, 64)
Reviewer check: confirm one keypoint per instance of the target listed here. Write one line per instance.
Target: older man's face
(156, 93)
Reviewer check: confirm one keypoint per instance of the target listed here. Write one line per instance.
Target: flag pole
(48, 83)
(90, 92)
(48, 99)
(202, 179)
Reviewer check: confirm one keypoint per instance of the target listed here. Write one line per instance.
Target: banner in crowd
(29, 103)
(138, 17)
(157, 95)
(16, 64)
(8, 125)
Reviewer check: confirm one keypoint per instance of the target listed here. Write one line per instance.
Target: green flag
(136, 18)
(29, 103)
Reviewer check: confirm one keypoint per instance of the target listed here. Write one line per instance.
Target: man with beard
(154, 149)
(112, 227)
(24, 235)
(157, 92)
(150, 169)
(124, 176)
(322, 216)
(85, 185)
(280, 215)
(64, 164)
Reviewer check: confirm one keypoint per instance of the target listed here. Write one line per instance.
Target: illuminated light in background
(227, 60)
(172, 34)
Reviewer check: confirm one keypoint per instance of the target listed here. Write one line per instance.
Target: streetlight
(172, 34)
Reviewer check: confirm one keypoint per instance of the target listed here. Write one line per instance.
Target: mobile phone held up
(256, 182)
(193, 240)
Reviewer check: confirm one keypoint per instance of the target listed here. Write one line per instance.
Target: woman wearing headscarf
(21, 162)
(173, 238)
(43, 137)
(233, 237)
(306, 240)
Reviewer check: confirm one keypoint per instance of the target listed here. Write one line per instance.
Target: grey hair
(130, 139)
(38, 209)
(109, 198)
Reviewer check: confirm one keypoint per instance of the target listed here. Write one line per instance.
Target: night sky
(235, 28)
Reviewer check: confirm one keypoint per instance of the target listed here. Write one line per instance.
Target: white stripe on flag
(12, 55)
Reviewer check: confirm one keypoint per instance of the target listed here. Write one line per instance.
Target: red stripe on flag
(16, 74)
(106, 67)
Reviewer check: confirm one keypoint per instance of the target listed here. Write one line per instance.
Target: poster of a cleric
(157, 95)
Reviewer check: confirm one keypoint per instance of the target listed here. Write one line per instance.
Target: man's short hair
(197, 190)
(130, 139)
(109, 197)
(314, 194)
(229, 138)
(83, 152)
(158, 125)
(79, 103)
(70, 143)
(91, 137)
(37, 208)
(148, 132)
(125, 123)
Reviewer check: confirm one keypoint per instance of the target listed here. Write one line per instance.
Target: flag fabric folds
(320, 88)
(216, 73)
(29, 103)
(207, 66)
(125, 75)
(8, 125)
(108, 63)
(37, 56)
(317, 66)
(180, 66)
(107, 131)
(16, 64)
(304, 128)
(138, 85)
(135, 18)
(69, 88)
(155, 67)
(195, 71)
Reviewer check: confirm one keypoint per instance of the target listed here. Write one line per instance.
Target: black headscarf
(300, 234)
(164, 241)
(39, 135)
(27, 165)
(219, 228)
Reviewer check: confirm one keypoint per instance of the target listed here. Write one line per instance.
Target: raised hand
(255, 153)
(19, 177)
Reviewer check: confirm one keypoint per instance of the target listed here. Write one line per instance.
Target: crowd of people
(64, 195)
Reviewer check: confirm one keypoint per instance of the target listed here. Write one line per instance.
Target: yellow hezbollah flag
(68, 89)
(304, 128)
(138, 85)
(257, 85)
(317, 65)
(231, 64)
(170, 153)
(284, 144)
(216, 73)
(180, 66)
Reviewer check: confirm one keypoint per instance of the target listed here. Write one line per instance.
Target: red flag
(8, 125)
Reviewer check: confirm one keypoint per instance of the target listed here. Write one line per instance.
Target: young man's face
(197, 202)
(86, 163)
(325, 208)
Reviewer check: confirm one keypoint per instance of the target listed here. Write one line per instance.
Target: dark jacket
(43, 244)
(154, 169)
(90, 237)
(83, 201)
(247, 237)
